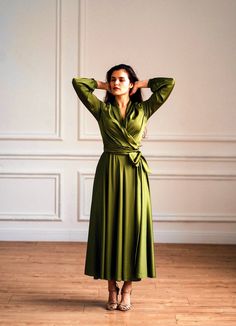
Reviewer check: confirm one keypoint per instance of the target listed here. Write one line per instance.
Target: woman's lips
(116, 88)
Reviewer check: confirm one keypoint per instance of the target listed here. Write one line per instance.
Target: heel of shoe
(123, 306)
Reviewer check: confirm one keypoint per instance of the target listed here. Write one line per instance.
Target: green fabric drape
(120, 241)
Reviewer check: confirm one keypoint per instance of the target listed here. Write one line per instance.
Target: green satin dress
(120, 241)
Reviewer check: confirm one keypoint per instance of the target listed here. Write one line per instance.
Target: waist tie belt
(136, 158)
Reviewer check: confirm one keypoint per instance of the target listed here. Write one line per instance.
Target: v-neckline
(121, 118)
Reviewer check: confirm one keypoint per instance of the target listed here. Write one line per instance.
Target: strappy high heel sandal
(124, 306)
(113, 305)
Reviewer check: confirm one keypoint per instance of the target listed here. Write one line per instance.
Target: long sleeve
(84, 88)
(161, 88)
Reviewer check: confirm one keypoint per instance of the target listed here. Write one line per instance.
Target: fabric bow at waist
(136, 157)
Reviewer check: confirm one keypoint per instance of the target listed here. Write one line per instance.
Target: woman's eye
(120, 80)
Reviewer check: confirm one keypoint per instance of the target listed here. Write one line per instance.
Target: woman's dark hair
(136, 97)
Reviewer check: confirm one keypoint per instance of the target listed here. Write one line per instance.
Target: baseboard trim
(81, 236)
(195, 237)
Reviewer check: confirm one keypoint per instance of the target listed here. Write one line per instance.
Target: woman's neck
(122, 101)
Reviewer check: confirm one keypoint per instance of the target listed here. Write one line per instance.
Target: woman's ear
(131, 85)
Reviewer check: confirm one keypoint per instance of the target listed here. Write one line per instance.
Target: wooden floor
(43, 284)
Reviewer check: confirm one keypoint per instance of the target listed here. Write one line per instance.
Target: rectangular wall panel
(30, 196)
(85, 188)
(30, 69)
(193, 197)
(200, 108)
(177, 197)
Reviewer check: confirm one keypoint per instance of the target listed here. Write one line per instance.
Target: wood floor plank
(43, 283)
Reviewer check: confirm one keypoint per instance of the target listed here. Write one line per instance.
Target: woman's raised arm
(161, 88)
(84, 88)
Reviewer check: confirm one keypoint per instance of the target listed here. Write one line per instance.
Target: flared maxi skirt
(120, 241)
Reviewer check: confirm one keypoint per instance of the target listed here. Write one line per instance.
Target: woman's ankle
(112, 285)
(127, 287)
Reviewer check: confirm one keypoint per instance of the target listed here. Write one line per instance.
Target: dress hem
(139, 278)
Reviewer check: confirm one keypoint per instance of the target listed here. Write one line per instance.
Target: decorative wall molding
(82, 36)
(83, 214)
(194, 217)
(56, 134)
(203, 217)
(195, 237)
(84, 135)
(84, 203)
(192, 176)
(202, 138)
(95, 157)
(35, 216)
(209, 161)
(81, 63)
(58, 70)
(81, 235)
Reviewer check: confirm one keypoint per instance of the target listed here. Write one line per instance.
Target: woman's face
(120, 83)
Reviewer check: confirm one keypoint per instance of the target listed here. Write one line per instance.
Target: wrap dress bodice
(120, 241)
(123, 135)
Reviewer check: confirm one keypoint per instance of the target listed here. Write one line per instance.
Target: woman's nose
(116, 81)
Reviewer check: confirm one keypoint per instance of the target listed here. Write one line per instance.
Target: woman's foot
(113, 290)
(126, 291)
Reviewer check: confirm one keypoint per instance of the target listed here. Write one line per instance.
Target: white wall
(50, 144)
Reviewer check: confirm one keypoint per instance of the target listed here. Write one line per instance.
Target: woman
(120, 242)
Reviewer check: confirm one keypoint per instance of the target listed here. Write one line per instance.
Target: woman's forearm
(102, 85)
(142, 83)
(139, 84)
